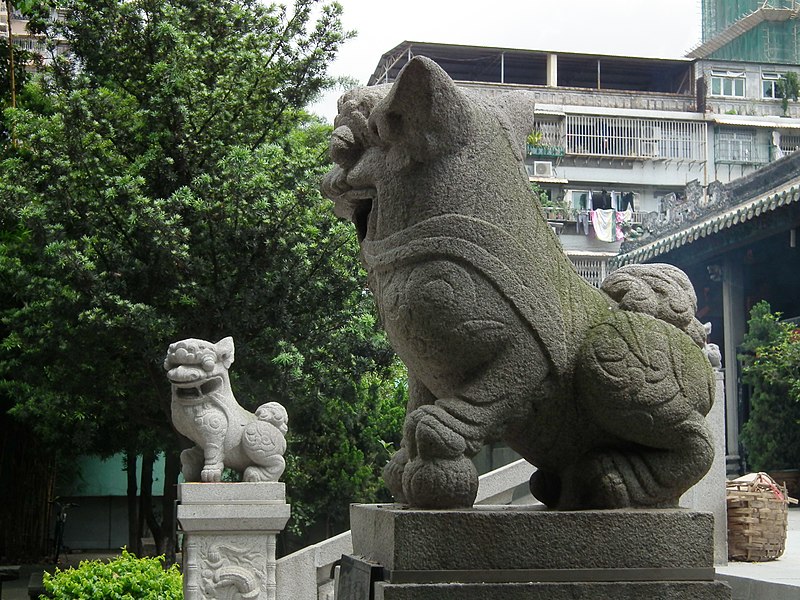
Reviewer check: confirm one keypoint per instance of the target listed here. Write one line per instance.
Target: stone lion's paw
(211, 475)
(440, 483)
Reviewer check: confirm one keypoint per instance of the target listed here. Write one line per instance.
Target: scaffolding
(750, 30)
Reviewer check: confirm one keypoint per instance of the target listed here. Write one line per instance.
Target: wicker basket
(757, 518)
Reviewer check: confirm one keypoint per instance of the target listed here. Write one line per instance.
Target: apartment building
(17, 27)
(626, 133)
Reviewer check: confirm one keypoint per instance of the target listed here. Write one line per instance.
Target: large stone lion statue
(604, 390)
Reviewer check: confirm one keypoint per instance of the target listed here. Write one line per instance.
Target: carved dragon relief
(233, 569)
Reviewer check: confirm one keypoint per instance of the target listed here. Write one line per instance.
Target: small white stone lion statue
(205, 410)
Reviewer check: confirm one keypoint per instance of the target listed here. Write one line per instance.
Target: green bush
(771, 359)
(123, 578)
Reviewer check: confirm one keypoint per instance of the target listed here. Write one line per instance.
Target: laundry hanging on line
(608, 224)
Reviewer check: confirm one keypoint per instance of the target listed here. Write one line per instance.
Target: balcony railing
(790, 143)
(615, 99)
(553, 213)
(623, 137)
(593, 269)
(545, 151)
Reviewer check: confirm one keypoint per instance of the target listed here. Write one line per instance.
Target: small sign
(357, 579)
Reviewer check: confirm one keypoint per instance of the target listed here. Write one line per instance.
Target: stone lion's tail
(659, 290)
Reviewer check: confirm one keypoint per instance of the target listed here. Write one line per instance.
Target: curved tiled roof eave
(711, 224)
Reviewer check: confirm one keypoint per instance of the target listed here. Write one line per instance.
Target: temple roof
(742, 200)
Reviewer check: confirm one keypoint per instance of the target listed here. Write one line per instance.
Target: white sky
(663, 29)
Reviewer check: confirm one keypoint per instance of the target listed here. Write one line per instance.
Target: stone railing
(308, 573)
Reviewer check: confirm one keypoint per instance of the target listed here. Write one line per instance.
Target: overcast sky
(665, 29)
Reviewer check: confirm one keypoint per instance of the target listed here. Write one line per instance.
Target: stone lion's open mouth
(195, 392)
(361, 218)
(357, 205)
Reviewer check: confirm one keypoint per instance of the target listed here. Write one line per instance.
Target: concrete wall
(99, 489)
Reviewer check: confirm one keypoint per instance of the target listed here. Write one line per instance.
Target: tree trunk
(146, 498)
(172, 470)
(134, 534)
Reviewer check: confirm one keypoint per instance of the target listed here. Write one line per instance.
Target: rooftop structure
(535, 67)
(617, 132)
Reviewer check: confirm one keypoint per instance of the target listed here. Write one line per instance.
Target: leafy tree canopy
(164, 185)
(771, 361)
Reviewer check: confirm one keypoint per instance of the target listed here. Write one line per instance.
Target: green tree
(10, 80)
(788, 88)
(771, 361)
(165, 185)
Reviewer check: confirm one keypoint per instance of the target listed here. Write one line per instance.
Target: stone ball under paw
(440, 483)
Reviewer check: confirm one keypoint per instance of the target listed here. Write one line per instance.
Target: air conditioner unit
(542, 168)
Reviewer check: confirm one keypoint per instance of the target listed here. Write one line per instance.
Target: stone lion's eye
(373, 129)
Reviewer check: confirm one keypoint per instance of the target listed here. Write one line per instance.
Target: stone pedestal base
(511, 552)
(229, 538)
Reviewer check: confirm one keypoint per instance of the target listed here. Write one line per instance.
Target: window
(790, 143)
(739, 147)
(546, 138)
(727, 83)
(769, 85)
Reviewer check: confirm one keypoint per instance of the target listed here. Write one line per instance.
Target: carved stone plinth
(505, 553)
(229, 538)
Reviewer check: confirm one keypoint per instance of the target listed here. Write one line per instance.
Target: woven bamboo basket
(757, 518)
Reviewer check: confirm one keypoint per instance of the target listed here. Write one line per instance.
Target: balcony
(618, 137)
(570, 215)
(621, 137)
(544, 151)
(615, 99)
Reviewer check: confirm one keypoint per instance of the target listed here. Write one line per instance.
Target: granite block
(707, 590)
(513, 537)
(233, 493)
(233, 517)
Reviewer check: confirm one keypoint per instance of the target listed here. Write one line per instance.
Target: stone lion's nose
(184, 374)
(335, 183)
(343, 148)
